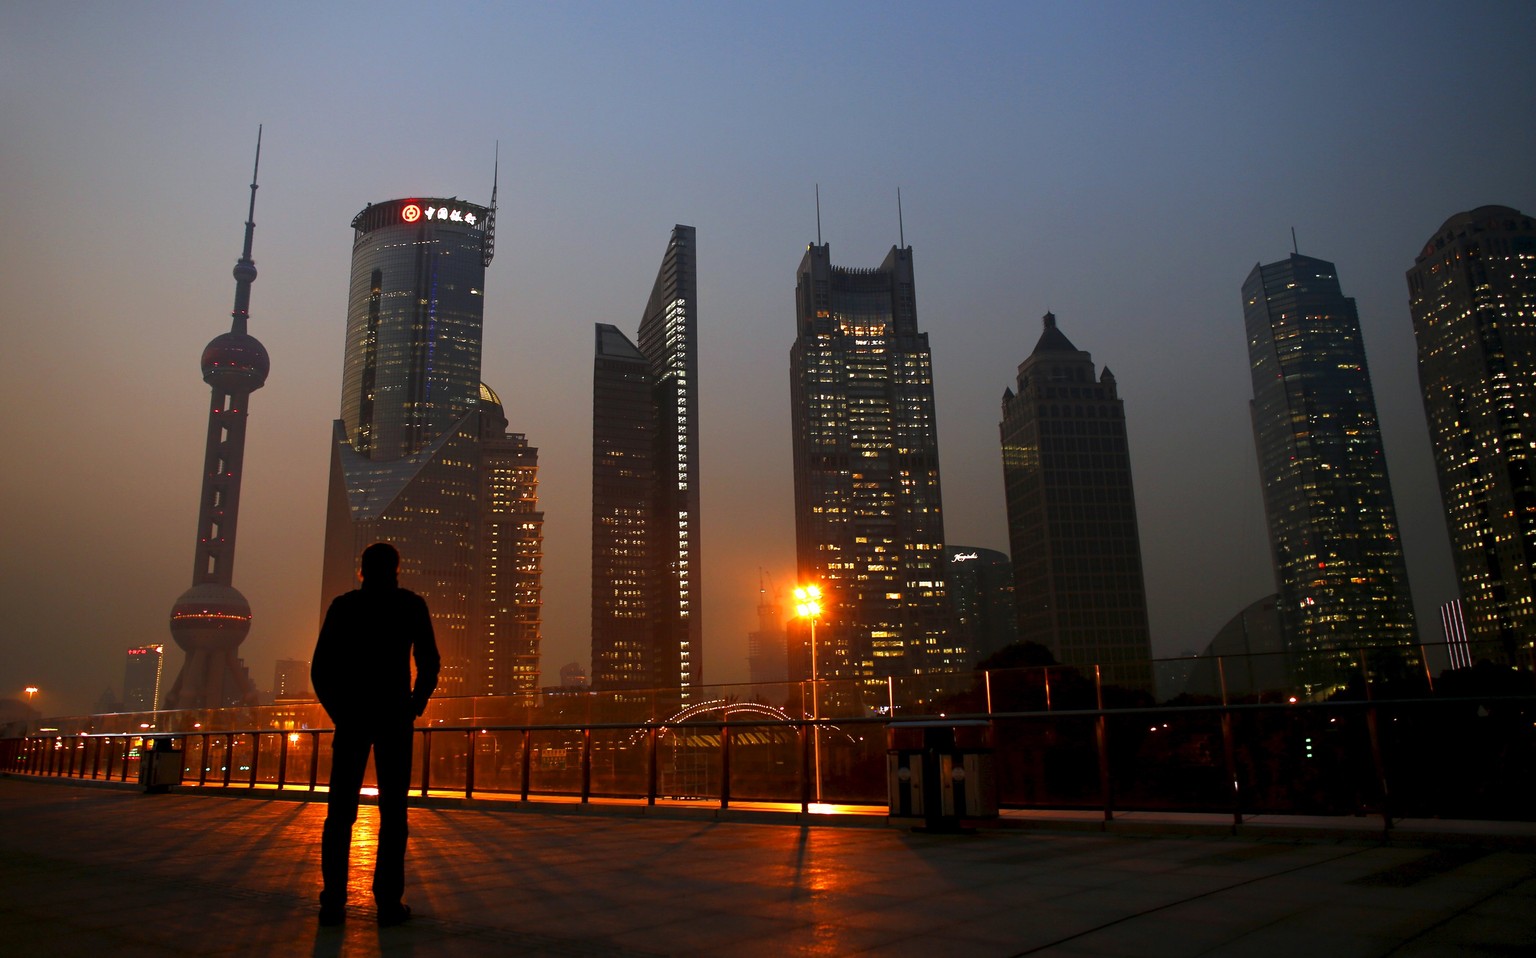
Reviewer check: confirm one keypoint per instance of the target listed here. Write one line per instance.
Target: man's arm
(326, 666)
(424, 648)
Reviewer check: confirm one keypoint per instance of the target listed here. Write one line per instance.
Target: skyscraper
(212, 618)
(767, 648)
(1472, 293)
(290, 681)
(420, 457)
(510, 563)
(1333, 531)
(646, 596)
(1072, 532)
(142, 676)
(869, 527)
(981, 591)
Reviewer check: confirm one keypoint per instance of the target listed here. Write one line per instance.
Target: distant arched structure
(688, 756)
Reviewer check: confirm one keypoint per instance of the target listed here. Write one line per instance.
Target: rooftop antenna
(245, 267)
(488, 244)
(818, 214)
(901, 229)
(1294, 248)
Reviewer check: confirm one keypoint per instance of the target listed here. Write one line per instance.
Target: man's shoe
(396, 914)
(332, 915)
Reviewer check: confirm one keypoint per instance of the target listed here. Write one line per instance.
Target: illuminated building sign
(965, 557)
(412, 212)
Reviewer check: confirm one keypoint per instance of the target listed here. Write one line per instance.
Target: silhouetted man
(362, 676)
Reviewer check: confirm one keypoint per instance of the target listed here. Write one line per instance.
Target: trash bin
(940, 773)
(161, 763)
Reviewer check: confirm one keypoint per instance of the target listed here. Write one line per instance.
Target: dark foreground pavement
(113, 872)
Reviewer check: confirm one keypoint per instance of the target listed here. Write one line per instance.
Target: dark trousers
(391, 745)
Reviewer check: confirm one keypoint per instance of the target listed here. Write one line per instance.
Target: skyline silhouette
(1123, 166)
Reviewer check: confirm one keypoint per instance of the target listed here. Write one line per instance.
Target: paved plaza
(112, 871)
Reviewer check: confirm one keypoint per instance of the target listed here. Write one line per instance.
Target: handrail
(101, 755)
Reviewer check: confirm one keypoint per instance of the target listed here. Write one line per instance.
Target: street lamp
(31, 691)
(808, 606)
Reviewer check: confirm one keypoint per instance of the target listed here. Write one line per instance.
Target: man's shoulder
(407, 596)
(347, 598)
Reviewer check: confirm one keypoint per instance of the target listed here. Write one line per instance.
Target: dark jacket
(361, 669)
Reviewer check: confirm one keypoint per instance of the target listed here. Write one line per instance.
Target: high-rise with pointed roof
(421, 458)
(869, 525)
(646, 591)
(1333, 533)
(1472, 293)
(212, 618)
(1072, 532)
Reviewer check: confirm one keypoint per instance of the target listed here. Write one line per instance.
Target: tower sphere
(208, 615)
(236, 362)
(245, 271)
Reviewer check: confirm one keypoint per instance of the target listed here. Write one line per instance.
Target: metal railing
(1450, 757)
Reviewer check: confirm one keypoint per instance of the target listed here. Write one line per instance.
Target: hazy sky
(1123, 164)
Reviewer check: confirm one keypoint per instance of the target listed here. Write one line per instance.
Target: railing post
(202, 760)
(255, 756)
(1228, 747)
(651, 739)
(586, 765)
(527, 759)
(805, 768)
(725, 766)
(95, 757)
(314, 759)
(229, 758)
(111, 754)
(426, 761)
(282, 760)
(1101, 733)
(986, 678)
(1378, 761)
(470, 741)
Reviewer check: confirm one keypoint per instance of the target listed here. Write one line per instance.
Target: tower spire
(901, 228)
(818, 214)
(488, 245)
(245, 267)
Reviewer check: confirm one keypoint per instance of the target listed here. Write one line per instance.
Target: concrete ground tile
(1485, 933)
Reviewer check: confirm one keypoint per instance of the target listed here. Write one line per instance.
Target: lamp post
(808, 606)
(31, 691)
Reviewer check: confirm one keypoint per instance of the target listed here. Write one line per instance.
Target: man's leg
(349, 759)
(392, 762)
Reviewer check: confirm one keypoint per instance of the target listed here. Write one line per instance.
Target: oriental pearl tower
(211, 619)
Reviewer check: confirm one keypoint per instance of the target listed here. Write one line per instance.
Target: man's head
(380, 564)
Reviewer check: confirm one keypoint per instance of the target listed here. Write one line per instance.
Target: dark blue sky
(1123, 164)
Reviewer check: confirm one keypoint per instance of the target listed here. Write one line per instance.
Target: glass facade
(142, 677)
(414, 313)
(1333, 529)
(646, 590)
(510, 565)
(1072, 530)
(869, 524)
(1472, 294)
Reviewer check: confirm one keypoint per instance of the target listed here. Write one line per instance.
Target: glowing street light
(31, 691)
(808, 606)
